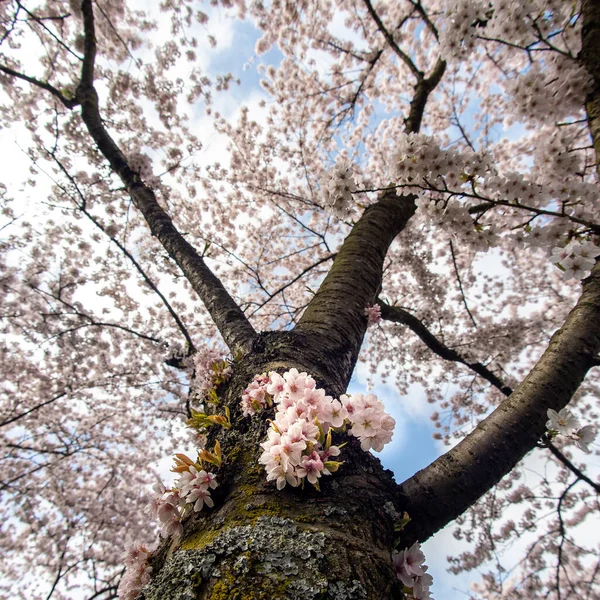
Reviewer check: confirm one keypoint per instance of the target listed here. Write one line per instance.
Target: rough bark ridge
(590, 56)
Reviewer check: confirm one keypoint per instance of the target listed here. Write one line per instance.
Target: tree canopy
(413, 188)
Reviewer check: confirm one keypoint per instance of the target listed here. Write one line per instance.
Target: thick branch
(399, 315)
(423, 89)
(335, 316)
(230, 320)
(446, 488)
(590, 56)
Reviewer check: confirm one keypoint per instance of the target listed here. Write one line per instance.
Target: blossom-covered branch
(82, 205)
(44, 85)
(237, 331)
(425, 85)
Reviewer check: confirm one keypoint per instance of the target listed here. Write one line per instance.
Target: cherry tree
(414, 191)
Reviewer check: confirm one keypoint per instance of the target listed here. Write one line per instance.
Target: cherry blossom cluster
(564, 423)
(255, 397)
(510, 21)
(191, 490)
(457, 37)
(418, 158)
(552, 153)
(553, 90)
(576, 259)
(299, 443)
(524, 22)
(533, 94)
(419, 161)
(373, 314)
(297, 447)
(420, 164)
(142, 165)
(411, 571)
(137, 571)
(337, 188)
(165, 508)
(370, 423)
(210, 370)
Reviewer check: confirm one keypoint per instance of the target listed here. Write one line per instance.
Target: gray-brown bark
(335, 317)
(590, 56)
(258, 543)
(337, 543)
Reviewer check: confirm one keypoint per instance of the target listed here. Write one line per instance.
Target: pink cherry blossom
(562, 421)
(584, 437)
(373, 314)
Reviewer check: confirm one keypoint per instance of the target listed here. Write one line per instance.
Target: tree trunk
(260, 543)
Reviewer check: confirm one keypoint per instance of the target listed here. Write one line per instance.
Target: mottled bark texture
(446, 488)
(228, 317)
(296, 544)
(590, 56)
(299, 543)
(335, 320)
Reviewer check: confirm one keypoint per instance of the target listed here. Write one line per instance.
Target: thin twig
(462, 292)
(546, 443)
(390, 40)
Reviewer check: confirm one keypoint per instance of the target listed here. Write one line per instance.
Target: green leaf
(403, 522)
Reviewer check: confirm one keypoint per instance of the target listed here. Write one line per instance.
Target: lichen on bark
(259, 543)
(272, 558)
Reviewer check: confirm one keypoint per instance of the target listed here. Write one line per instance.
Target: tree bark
(260, 543)
(590, 57)
(335, 320)
(335, 544)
